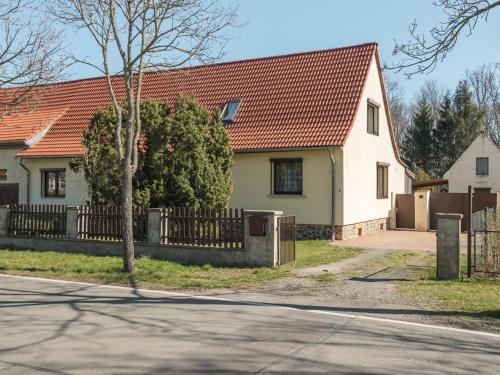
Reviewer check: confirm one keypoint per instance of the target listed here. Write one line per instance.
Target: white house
(478, 166)
(311, 133)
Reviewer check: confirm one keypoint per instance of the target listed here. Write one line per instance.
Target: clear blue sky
(273, 27)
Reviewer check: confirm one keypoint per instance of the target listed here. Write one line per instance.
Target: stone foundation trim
(345, 232)
(313, 231)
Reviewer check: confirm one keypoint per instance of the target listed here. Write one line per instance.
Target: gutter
(28, 175)
(332, 162)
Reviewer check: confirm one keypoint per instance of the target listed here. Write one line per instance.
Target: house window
(230, 110)
(287, 176)
(372, 120)
(382, 180)
(482, 166)
(54, 183)
(3, 174)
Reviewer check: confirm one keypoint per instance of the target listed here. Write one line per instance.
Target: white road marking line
(267, 304)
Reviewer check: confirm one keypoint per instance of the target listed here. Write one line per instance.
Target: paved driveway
(68, 328)
(399, 240)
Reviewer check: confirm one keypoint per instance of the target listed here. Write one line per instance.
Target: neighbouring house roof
(291, 101)
(26, 126)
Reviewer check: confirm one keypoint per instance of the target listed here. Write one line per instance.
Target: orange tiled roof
(22, 127)
(301, 100)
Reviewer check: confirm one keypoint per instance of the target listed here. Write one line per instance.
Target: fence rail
(223, 227)
(105, 223)
(42, 220)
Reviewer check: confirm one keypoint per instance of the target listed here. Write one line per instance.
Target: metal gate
(286, 242)
(486, 242)
(405, 214)
(9, 194)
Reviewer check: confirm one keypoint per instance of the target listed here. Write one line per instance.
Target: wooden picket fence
(222, 227)
(101, 222)
(42, 220)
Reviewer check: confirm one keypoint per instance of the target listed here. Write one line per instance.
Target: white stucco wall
(253, 184)
(463, 172)
(76, 187)
(361, 153)
(15, 174)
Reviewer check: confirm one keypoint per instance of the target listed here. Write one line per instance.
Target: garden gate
(286, 240)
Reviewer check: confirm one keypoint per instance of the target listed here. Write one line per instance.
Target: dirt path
(345, 265)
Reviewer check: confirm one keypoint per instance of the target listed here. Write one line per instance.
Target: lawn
(161, 274)
(479, 295)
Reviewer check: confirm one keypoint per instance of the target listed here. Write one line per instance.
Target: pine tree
(417, 145)
(469, 117)
(445, 135)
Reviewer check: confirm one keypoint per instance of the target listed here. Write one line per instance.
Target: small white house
(478, 166)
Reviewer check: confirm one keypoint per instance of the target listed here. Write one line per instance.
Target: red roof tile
(22, 127)
(301, 100)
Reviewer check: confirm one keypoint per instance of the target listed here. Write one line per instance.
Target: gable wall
(463, 172)
(362, 151)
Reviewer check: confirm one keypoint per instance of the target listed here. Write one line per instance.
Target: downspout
(332, 162)
(28, 174)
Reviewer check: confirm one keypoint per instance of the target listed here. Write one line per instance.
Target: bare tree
(399, 109)
(29, 52)
(422, 54)
(143, 35)
(433, 94)
(485, 84)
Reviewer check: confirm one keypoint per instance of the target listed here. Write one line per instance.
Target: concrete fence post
(448, 246)
(422, 211)
(262, 237)
(394, 211)
(72, 222)
(4, 220)
(154, 225)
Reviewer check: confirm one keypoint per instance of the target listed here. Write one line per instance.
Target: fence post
(393, 212)
(448, 246)
(261, 247)
(422, 210)
(4, 220)
(72, 222)
(154, 224)
(469, 232)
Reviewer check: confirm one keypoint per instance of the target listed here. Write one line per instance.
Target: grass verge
(479, 295)
(160, 274)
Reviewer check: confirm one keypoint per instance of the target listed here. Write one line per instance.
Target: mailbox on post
(257, 225)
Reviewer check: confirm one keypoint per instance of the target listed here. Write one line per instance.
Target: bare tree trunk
(127, 218)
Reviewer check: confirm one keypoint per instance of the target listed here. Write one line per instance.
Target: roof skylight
(230, 110)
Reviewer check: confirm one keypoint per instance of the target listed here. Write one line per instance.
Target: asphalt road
(51, 327)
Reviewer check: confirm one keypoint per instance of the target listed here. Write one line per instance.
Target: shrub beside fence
(105, 223)
(221, 227)
(42, 220)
